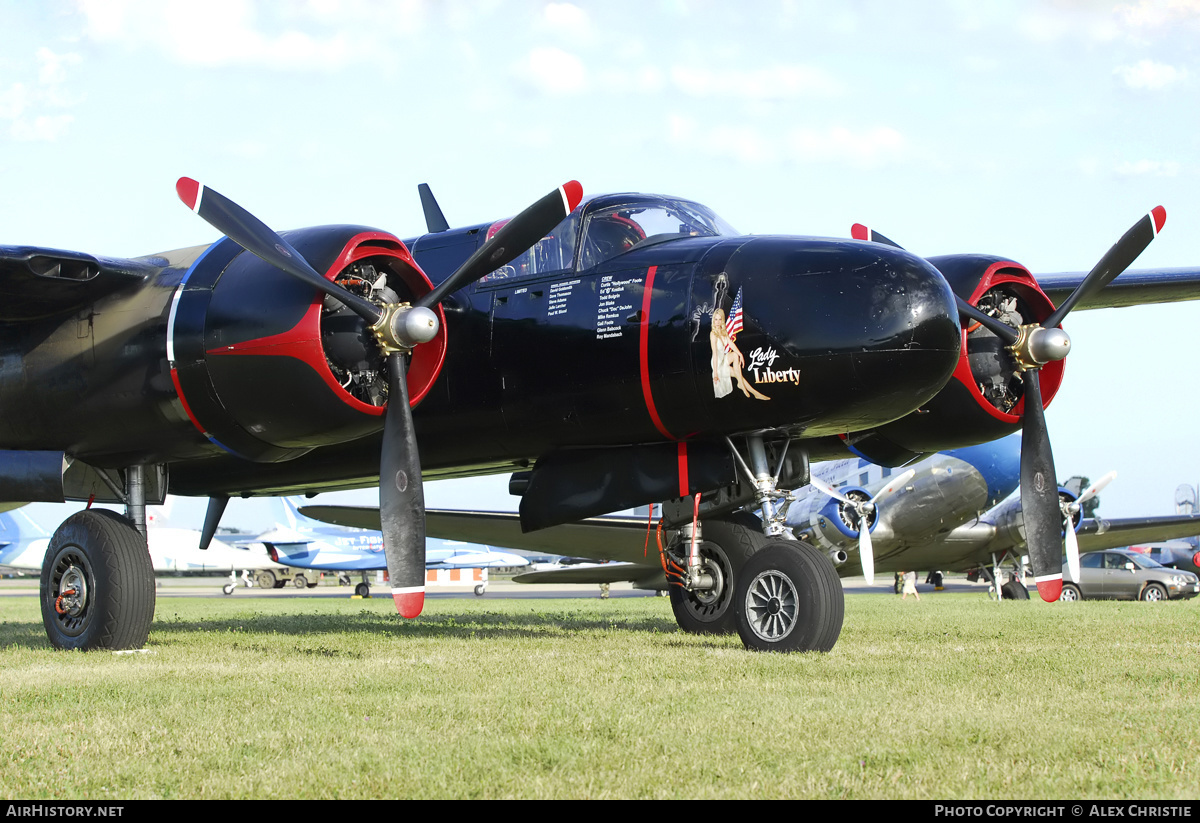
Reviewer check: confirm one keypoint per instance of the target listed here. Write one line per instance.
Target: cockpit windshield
(615, 230)
(554, 252)
(609, 230)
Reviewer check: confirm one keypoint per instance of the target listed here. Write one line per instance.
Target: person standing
(910, 586)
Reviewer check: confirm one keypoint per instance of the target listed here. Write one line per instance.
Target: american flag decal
(733, 324)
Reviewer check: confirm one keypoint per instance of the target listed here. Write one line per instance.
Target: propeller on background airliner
(864, 509)
(397, 330)
(1034, 345)
(1069, 509)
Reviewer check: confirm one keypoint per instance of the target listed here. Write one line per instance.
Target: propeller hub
(403, 326)
(1036, 346)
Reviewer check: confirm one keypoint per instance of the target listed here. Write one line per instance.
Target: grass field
(952, 697)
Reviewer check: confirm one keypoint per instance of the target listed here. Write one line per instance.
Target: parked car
(1120, 574)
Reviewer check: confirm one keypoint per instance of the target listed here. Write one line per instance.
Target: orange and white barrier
(455, 577)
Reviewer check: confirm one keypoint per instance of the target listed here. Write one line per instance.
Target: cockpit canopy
(606, 226)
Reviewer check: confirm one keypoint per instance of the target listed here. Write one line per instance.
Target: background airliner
(953, 511)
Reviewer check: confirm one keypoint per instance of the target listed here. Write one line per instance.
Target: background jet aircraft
(23, 545)
(305, 543)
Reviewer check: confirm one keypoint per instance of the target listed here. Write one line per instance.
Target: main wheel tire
(480, 591)
(102, 558)
(1070, 593)
(227, 588)
(1012, 590)
(789, 598)
(362, 590)
(266, 579)
(728, 543)
(1154, 593)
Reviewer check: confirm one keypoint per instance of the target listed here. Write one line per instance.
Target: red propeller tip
(573, 192)
(1196, 559)
(860, 232)
(409, 603)
(1160, 217)
(188, 191)
(1050, 588)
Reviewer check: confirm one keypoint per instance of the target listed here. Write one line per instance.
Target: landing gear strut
(752, 576)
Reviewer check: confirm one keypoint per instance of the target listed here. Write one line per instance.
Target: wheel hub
(772, 605)
(74, 581)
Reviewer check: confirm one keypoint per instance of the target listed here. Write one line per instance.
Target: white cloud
(1147, 14)
(567, 18)
(44, 127)
(1153, 168)
(221, 32)
(861, 149)
(553, 71)
(865, 148)
(27, 105)
(775, 83)
(1147, 74)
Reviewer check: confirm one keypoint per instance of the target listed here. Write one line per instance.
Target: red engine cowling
(984, 400)
(268, 369)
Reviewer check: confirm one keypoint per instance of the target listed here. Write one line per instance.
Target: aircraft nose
(864, 332)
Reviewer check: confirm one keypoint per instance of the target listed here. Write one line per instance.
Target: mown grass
(952, 697)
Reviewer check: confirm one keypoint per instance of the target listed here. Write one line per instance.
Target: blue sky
(1036, 130)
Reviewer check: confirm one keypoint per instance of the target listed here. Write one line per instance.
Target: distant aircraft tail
(287, 514)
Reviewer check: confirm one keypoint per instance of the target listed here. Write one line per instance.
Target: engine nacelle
(836, 522)
(984, 400)
(266, 368)
(1010, 520)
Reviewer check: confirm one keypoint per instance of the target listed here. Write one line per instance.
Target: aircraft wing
(1133, 288)
(1104, 533)
(641, 575)
(601, 538)
(37, 282)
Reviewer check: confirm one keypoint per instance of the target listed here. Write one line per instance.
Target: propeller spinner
(398, 328)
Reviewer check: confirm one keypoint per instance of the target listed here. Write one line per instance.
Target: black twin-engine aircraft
(612, 352)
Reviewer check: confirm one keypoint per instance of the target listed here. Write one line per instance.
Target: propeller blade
(402, 496)
(865, 550)
(997, 327)
(897, 481)
(1039, 495)
(821, 486)
(515, 238)
(1072, 546)
(860, 232)
(256, 237)
(1094, 489)
(1115, 260)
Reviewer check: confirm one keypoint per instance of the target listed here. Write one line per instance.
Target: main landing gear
(97, 587)
(740, 573)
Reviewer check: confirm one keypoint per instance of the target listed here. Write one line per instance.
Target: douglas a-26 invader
(626, 350)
